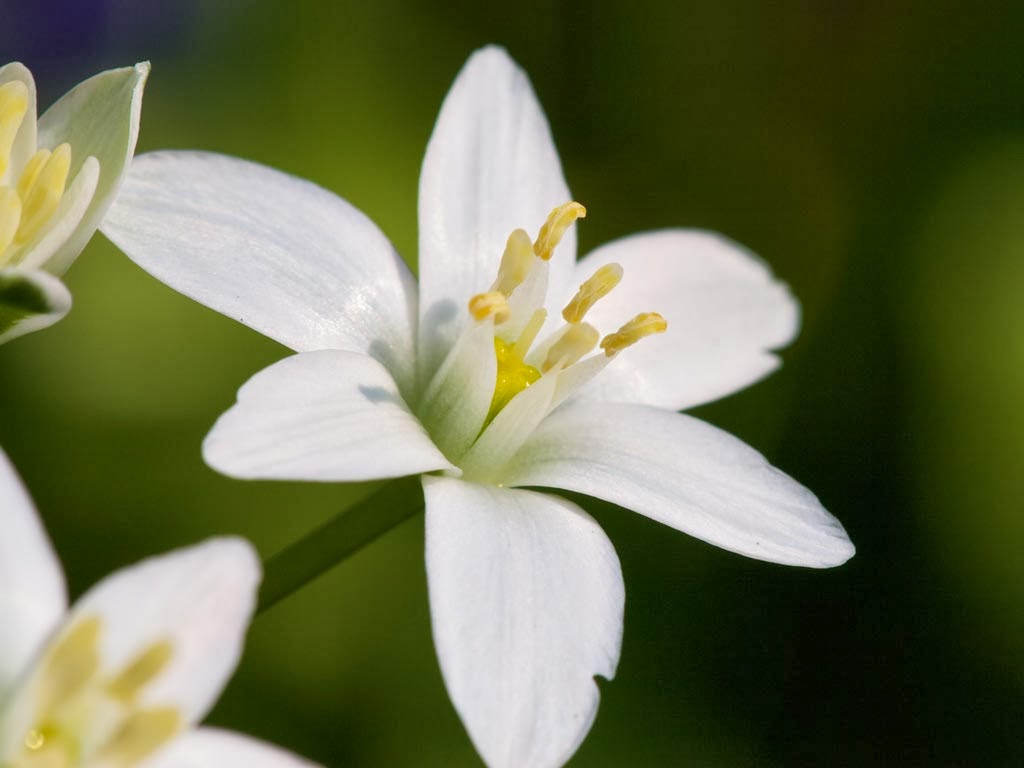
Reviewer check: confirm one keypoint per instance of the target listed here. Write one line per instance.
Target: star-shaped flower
(488, 382)
(120, 679)
(57, 180)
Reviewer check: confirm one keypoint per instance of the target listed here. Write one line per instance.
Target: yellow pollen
(491, 304)
(642, 325)
(577, 340)
(516, 262)
(599, 285)
(13, 105)
(559, 220)
(513, 376)
(10, 217)
(42, 191)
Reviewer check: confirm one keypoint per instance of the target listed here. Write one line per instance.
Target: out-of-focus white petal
(25, 141)
(685, 473)
(491, 167)
(33, 597)
(279, 254)
(327, 415)
(216, 748)
(199, 599)
(526, 602)
(725, 312)
(29, 301)
(99, 118)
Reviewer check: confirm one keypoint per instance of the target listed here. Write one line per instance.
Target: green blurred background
(872, 152)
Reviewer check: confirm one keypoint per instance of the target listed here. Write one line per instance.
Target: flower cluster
(490, 379)
(510, 372)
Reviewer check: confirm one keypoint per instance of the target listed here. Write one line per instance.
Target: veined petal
(99, 118)
(491, 166)
(526, 602)
(33, 597)
(725, 312)
(327, 415)
(29, 301)
(216, 748)
(684, 473)
(25, 141)
(279, 254)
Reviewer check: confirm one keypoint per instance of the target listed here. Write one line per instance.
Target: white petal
(683, 473)
(278, 254)
(327, 415)
(456, 402)
(33, 597)
(29, 301)
(491, 167)
(99, 118)
(526, 602)
(216, 748)
(725, 312)
(200, 599)
(25, 142)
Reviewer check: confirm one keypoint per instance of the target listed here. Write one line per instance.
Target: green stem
(343, 535)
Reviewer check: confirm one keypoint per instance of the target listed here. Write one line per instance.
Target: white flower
(57, 179)
(526, 593)
(121, 678)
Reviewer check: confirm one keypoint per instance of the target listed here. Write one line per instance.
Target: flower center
(77, 715)
(29, 196)
(513, 303)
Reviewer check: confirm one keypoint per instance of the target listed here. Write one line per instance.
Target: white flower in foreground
(57, 179)
(489, 380)
(120, 679)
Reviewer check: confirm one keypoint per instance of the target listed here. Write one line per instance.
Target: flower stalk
(338, 539)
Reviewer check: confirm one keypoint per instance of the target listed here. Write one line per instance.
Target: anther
(491, 304)
(140, 671)
(13, 105)
(516, 262)
(41, 193)
(599, 285)
(577, 340)
(10, 217)
(644, 324)
(559, 220)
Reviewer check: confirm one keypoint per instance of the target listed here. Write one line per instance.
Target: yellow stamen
(31, 171)
(516, 262)
(72, 663)
(642, 325)
(490, 304)
(10, 217)
(513, 376)
(141, 734)
(599, 285)
(526, 338)
(139, 672)
(559, 220)
(40, 200)
(577, 340)
(13, 105)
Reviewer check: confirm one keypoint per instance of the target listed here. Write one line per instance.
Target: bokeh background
(872, 152)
